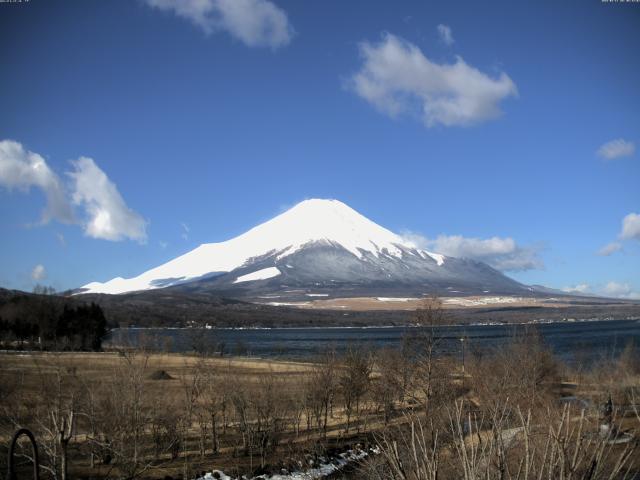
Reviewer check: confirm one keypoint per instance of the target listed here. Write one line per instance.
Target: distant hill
(169, 308)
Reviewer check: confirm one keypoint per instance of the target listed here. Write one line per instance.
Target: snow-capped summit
(317, 242)
(323, 220)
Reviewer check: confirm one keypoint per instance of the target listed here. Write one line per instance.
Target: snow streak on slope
(310, 221)
(263, 274)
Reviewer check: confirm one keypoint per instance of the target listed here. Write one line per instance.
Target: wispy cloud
(611, 289)
(397, 78)
(61, 240)
(108, 216)
(501, 253)
(583, 288)
(445, 34)
(38, 273)
(256, 23)
(620, 290)
(21, 169)
(616, 149)
(610, 249)
(185, 231)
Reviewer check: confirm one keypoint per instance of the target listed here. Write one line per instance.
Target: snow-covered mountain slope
(317, 243)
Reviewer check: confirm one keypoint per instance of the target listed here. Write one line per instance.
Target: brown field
(98, 370)
(89, 366)
(362, 304)
(95, 365)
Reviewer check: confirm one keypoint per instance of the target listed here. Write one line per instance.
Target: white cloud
(630, 231)
(610, 249)
(108, 217)
(22, 169)
(446, 35)
(620, 290)
(256, 23)
(580, 288)
(61, 240)
(631, 227)
(501, 253)
(38, 273)
(397, 78)
(611, 289)
(616, 148)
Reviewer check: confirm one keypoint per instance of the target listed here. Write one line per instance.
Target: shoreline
(368, 327)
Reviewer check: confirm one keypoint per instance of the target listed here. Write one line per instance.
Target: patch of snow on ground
(395, 299)
(326, 468)
(475, 301)
(317, 294)
(216, 474)
(287, 304)
(263, 274)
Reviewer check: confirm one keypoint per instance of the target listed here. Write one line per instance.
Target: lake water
(571, 341)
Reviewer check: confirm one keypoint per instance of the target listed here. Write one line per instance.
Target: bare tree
(522, 371)
(125, 417)
(55, 415)
(192, 386)
(215, 397)
(391, 385)
(321, 387)
(270, 412)
(354, 380)
(422, 347)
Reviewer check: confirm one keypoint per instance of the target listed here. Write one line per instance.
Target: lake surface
(572, 341)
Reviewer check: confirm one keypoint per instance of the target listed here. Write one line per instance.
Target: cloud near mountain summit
(502, 253)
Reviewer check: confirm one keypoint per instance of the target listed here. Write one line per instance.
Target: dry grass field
(176, 383)
(364, 304)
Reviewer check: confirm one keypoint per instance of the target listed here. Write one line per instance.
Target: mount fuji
(318, 248)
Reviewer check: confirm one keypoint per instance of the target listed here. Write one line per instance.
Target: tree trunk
(214, 434)
(324, 427)
(63, 459)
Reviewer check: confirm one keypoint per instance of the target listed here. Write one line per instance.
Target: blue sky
(503, 131)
